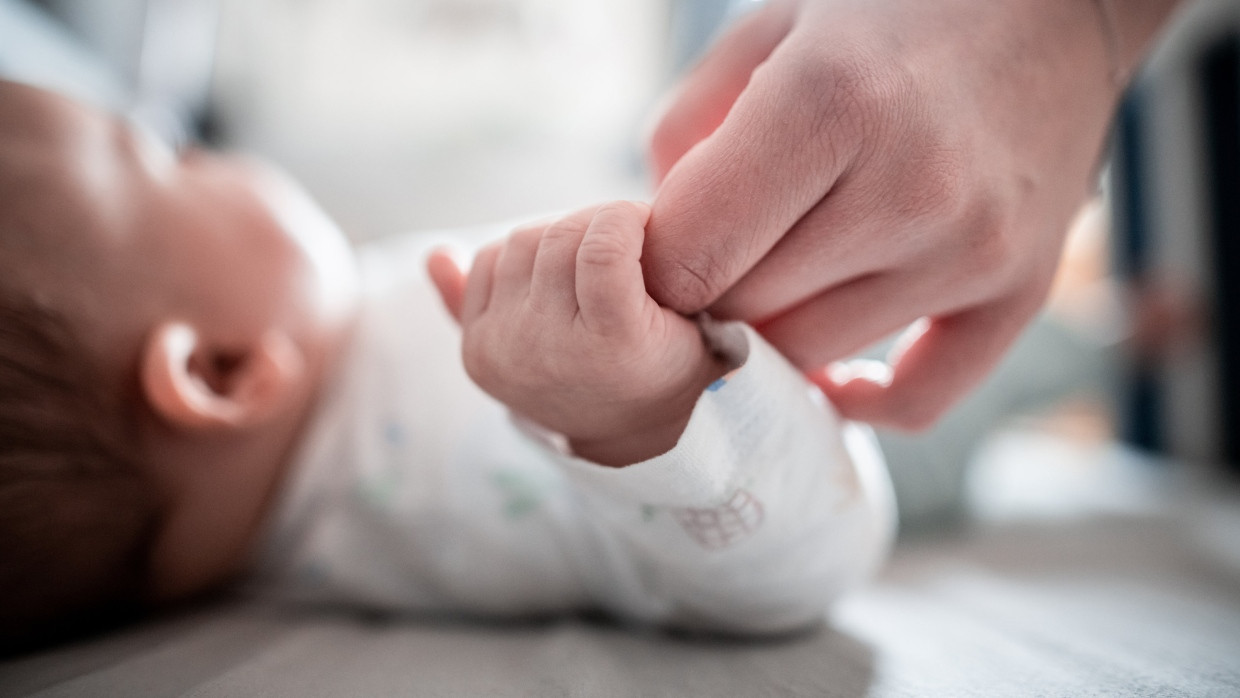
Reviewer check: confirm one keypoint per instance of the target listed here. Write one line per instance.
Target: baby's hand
(558, 326)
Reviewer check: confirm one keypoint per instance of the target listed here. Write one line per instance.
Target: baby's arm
(558, 326)
(745, 504)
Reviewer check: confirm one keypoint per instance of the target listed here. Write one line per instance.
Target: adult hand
(835, 170)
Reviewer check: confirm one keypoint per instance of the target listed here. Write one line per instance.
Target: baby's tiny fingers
(515, 264)
(610, 288)
(449, 280)
(553, 287)
(478, 286)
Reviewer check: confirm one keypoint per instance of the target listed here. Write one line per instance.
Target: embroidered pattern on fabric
(724, 525)
(522, 492)
(380, 487)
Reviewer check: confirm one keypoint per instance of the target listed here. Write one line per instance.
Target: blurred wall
(1173, 211)
(406, 114)
(161, 51)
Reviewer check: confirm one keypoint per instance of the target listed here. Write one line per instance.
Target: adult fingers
(844, 320)
(449, 280)
(793, 131)
(866, 240)
(478, 285)
(940, 362)
(708, 91)
(610, 289)
(553, 286)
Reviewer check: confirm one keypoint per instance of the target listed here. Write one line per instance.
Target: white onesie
(415, 491)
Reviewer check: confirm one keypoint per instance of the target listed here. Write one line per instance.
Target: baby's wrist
(657, 425)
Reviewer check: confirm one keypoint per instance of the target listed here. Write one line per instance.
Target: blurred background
(397, 114)
(427, 114)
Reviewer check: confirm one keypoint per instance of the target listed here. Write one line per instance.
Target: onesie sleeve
(413, 492)
(768, 507)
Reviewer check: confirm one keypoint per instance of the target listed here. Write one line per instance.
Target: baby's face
(137, 231)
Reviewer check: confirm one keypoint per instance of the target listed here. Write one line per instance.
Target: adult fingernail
(877, 372)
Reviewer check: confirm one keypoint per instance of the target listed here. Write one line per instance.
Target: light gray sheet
(1139, 603)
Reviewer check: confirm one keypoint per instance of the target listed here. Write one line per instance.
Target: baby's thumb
(449, 280)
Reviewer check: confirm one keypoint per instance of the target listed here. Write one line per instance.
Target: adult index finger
(709, 90)
(933, 369)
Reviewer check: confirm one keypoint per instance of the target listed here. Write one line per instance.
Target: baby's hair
(76, 518)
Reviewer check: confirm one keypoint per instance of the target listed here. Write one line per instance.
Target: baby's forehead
(36, 116)
(54, 168)
(45, 138)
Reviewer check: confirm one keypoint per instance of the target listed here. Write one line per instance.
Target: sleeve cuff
(731, 427)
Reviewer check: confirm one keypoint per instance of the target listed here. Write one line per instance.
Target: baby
(199, 380)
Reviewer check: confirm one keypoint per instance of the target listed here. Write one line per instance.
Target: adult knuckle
(851, 90)
(974, 220)
(986, 238)
(938, 187)
(865, 85)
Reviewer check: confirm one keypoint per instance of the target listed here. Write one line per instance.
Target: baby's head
(165, 322)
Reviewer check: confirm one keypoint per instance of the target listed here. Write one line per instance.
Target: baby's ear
(193, 383)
